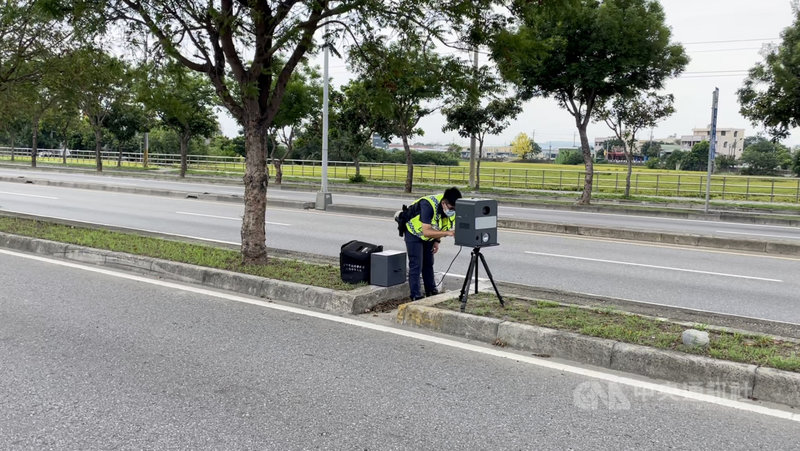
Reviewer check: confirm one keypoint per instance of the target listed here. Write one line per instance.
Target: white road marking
(654, 266)
(225, 217)
(703, 221)
(129, 228)
(544, 363)
(756, 234)
(28, 195)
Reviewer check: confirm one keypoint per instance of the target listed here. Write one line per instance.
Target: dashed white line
(670, 268)
(230, 218)
(28, 195)
(613, 378)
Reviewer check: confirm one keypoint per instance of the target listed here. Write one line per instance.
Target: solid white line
(757, 234)
(129, 228)
(225, 217)
(28, 195)
(654, 266)
(740, 405)
(703, 221)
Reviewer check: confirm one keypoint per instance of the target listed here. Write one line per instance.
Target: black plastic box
(354, 261)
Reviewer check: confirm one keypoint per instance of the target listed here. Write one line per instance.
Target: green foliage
(724, 162)
(760, 158)
(586, 51)
(653, 163)
(651, 149)
(358, 178)
(796, 163)
(771, 93)
(569, 156)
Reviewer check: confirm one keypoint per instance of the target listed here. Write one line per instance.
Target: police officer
(423, 230)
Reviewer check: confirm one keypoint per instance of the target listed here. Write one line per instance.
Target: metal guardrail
(670, 184)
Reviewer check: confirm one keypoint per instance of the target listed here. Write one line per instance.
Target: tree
(651, 149)
(97, 90)
(771, 92)
(760, 158)
(408, 78)
(184, 102)
(356, 120)
(723, 162)
(796, 162)
(584, 52)
(125, 119)
(236, 44)
(521, 145)
(626, 115)
(302, 101)
(469, 117)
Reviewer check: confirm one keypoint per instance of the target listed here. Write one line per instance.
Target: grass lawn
(326, 276)
(629, 328)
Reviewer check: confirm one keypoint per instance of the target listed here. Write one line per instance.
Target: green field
(608, 179)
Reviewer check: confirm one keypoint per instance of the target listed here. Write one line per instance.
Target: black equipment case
(354, 261)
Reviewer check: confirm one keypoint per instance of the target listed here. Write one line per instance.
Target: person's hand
(451, 233)
(435, 247)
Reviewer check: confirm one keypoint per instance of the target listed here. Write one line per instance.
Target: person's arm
(426, 217)
(429, 232)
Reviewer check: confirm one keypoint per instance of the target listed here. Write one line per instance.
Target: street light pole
(324, 197)
(712, 148)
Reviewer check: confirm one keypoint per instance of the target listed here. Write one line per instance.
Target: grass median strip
(635, 329)
(326, 276)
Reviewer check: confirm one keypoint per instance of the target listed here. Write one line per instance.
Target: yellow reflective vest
(438, 222)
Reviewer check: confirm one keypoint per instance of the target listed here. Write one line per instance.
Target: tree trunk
(254, 248)
(278, 170)
(629, 157)
(358, 166)
(586, 196)
(185, 137)
(119, 156)
(98, 150)
(64, 151)
(13, 138)
(409, 164)
(478, 166)
(35, 142)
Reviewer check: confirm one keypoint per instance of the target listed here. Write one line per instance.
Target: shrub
(358, 178)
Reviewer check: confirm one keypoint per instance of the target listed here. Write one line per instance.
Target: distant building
(417, 147)
(491, 153)
(730, 141)
(378, 142)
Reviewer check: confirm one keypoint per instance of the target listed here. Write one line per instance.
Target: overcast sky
(722, 38)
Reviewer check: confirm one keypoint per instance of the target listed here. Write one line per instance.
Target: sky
(721, 37)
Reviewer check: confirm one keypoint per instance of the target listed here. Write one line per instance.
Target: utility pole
(712, 148)
(533, 141)
(324, 197)
(473, 142)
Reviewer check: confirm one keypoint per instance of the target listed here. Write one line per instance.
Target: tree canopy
(771, 92)
(585, 51)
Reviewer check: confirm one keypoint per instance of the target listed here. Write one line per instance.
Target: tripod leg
(473, 263)
(491, 279)
(475, 253)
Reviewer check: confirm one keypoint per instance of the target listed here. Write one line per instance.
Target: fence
(510, 176)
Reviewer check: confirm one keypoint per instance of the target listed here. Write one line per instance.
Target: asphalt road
(612, 220)
(96, 361)
(743, 284)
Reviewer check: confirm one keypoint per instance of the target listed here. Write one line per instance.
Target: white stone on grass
(692, 337)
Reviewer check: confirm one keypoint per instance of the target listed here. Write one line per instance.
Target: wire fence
(492, 175)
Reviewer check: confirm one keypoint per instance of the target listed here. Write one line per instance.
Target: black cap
(452, 195)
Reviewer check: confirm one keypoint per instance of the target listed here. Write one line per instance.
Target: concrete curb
(355, 301)
(718, 377)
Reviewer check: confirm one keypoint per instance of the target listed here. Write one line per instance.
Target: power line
(729, 40)
(724, 50)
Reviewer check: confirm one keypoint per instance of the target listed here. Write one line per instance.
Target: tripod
(473, 266)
